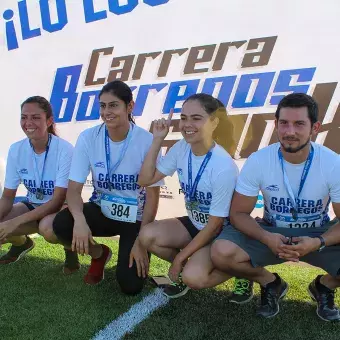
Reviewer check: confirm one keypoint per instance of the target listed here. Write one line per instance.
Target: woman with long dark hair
(114, 153)
(41, 162)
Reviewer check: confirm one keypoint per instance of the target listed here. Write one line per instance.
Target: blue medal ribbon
(308, 163)
(39, 192)
(121, 155)
(193, 187)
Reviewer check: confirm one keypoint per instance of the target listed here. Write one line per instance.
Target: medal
(294, 214)
(192, 205)
(39, 194)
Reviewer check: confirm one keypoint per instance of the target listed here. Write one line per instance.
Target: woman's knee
(129, 284)
(46, 231)
(63, 226)
(223, 253)
(147, 236)
(195, 278)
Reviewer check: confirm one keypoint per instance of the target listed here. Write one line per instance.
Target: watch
(323, 244)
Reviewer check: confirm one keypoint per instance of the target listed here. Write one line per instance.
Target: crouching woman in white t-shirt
(114, 152)
(41, 162)
(207, 176)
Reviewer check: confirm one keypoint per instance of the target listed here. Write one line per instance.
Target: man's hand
(304, 245)
(274, 242)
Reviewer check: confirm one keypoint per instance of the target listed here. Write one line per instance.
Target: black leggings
(100, 225)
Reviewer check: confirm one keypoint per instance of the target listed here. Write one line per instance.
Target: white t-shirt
(25, 166)
(216, 187)
(90, 155)
(263, 172)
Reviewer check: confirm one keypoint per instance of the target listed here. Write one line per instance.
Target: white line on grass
(133, 317)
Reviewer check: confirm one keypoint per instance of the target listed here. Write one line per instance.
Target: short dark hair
(122, 91)
(45, 105)
(299, 100)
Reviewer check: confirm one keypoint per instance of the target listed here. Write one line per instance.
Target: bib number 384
(119, 208)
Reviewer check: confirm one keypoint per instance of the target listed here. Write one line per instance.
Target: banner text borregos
(246, 91)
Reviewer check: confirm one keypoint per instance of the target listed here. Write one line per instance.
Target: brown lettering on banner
(238, 123)
(222, 52)
(91, 70)
(166, 59)
(194, 58)
(255, 133)
(259, 58)
(323, 94)
(137, 73)
(123, 72)
(333, 128)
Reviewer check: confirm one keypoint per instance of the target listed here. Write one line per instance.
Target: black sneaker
(270, 297)
(15, 253)
(324, 297)
(243, 291)
(71, 264)
(175, 290)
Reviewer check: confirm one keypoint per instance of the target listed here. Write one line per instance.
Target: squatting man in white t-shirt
(298, 180)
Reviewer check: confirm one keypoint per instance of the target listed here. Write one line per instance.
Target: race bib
(302, 222)
(119, 208)
(200, 217)
(197, 213)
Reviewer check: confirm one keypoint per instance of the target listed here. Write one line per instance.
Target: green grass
(38, 302)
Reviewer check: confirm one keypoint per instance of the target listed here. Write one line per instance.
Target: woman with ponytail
(41, 162)
(207, 176)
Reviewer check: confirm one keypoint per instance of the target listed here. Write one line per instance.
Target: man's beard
(289, 149)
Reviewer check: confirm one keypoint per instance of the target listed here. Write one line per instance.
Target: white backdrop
(307, 37)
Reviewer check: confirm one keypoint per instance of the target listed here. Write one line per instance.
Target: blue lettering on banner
(67, 80)
(90, 14)
(227, 85)
(190, 88)
(60, 93)
(284, 80)
(142, 96)
(116, 8)
(22, 17)
(26, 31)
(261, 91)
(46, 16)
